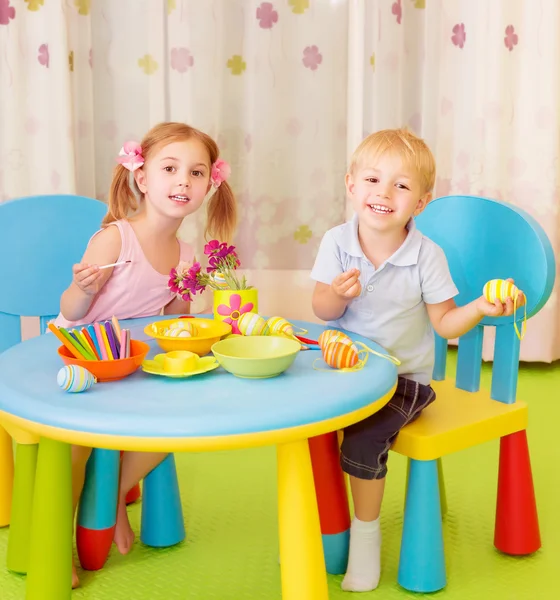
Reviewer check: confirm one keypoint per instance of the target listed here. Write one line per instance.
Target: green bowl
(256, 356)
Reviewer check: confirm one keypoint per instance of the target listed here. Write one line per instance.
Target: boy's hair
(222, 209)
(412, 150)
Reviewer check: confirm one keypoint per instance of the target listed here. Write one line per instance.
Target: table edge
(195, 444)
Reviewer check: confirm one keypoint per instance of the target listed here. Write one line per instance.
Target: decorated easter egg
(251, 323)
(279, 326)
(500, 289)
(73, 378)
(333, 335)
(340, 355)
(220, 280)
(183, 324)
(178, 333)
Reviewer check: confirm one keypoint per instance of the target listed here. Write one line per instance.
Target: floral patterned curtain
(288, 88)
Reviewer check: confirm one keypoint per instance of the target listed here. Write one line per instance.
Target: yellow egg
(183, 324)
(251, 323)
(279, 326)
(500, 289)
(340, 355)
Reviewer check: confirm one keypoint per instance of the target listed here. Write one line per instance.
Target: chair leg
(332, 500)
(6, 477)
(441, 481)
(162, 513)
(442, 494)
(97, 512)
(517, 522)
(422, 559)
(22, 503)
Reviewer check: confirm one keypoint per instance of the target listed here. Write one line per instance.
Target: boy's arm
(452, 321)
(330, 301)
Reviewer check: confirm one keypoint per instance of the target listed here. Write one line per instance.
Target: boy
(378, 276)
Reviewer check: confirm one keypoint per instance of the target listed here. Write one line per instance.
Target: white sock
(364, 560)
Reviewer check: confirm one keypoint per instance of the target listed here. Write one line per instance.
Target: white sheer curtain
(288, 88)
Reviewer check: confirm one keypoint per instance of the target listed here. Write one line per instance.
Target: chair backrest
(485, 239)
(41, 237)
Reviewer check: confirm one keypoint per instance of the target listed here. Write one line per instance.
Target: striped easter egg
(333, 335)
(251, 323)
(279, 326)
(74, 379)
(184, 325)
(500, 289)
(340, 355)
(220, 280)
(178, 333)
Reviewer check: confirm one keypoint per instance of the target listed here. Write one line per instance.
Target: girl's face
(176, 179)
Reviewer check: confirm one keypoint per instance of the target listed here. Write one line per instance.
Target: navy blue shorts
(366, 444)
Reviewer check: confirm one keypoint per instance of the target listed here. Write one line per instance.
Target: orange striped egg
(500, 289)
(279, 326)
(333, 335)
(251, 323)
(340, 355)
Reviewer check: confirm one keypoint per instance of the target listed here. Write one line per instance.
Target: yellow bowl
(209, 332)
(256, 356)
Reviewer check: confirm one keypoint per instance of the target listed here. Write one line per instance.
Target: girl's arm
(177, 306)
(88, 280)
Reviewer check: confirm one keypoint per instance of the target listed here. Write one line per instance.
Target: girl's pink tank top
(133, 290)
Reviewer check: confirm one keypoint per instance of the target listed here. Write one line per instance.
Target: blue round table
(214, 411)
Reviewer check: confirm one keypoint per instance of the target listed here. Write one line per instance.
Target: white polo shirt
(391, 309)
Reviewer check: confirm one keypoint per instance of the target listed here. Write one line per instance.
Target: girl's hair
(222, 208)
(412, 150)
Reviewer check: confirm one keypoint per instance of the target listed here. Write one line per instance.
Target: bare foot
(75, 580)
(124, 536)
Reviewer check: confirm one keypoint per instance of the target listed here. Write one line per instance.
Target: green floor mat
(231, 550)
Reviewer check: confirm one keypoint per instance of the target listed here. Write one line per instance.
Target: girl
(173, 169)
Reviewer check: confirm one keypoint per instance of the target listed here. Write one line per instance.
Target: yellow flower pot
(229, 305)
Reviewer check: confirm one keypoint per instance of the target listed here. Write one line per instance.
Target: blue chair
(41, 237)
(483, 239)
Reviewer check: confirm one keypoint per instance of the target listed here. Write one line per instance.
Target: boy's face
(385, 193)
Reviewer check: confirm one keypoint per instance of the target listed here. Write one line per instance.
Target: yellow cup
(179, 361)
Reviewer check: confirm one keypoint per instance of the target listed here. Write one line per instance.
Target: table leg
(50, 554)
(17, 559)
(6, 476)
(301, 553)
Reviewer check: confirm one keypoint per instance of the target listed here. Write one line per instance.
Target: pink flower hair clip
(130, 156)
(220, 172)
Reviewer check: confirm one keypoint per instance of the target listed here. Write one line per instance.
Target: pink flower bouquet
(187, 280)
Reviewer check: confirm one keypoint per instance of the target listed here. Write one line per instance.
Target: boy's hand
(498, 309)
(87, 278)
(347, 285)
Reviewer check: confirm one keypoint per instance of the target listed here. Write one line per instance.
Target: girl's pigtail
(122, 200)
(222, 214)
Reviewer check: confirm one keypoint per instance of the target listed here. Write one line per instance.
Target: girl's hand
(347, 285)
(87, 278)
(498, 308)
